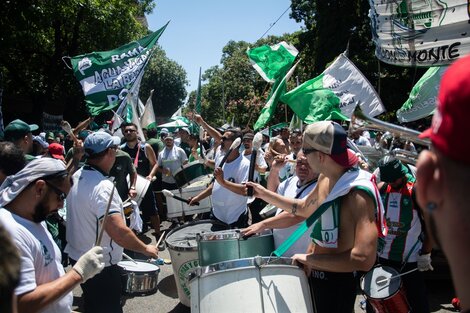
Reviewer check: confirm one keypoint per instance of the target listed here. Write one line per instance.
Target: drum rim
(191, 248)
(234, 234)
(185, 166)
(243, 263)
(157, 270)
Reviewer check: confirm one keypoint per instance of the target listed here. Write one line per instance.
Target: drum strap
(136, 160)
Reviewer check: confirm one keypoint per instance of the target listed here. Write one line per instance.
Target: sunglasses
(60, 194)
(308, 151)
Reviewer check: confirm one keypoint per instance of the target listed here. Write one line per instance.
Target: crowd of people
(357, 216)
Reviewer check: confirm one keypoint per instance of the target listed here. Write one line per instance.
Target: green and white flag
(135, 117)
(423, 96)
(106, 77)
(147, 120)
(334, 94)
(269, 108)
(272, 62)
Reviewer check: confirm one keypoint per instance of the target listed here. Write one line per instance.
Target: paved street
(440, 292)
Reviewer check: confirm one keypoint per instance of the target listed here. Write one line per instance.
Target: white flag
(147, 120)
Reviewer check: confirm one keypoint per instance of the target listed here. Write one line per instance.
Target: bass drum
(189, 173)
(250, 285)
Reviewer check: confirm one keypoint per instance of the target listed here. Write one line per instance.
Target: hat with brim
(330, 138)
(17, 129)
(56, 150)
(248, 136)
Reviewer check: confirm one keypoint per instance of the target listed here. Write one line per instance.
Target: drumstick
(168, 193)
(129, 258)
(392, 277)
(160, 239)
(100, 236)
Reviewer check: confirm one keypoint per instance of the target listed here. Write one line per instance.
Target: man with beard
(407, 245)
(26, 199)
(344, 236)
(228, 192)
(444, 172)
(145, 163)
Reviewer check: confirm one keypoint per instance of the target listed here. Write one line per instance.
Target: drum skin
(190, 173)
(139, 279)
(384, 291)
(245, 286)
(182, 246)
(230, 245)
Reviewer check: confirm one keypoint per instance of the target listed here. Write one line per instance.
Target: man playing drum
(228, 194)
(444, 172)
(87, 206)
(345, 234)
(284, 223)
(407, 245)
(145, 163)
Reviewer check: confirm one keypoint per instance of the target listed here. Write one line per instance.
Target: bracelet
(133, 188)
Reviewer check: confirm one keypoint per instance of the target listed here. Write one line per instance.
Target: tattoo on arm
(312, 202)
(294, 208)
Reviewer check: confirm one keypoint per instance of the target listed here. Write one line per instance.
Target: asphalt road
(440, 290)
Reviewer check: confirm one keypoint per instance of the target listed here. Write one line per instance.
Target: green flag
(107, 77)
(269, 108)
(198, 98)
(423, 96)
(334, 94)
(272, 62)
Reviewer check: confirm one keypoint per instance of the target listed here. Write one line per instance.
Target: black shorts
(148, 206)
(333, 292)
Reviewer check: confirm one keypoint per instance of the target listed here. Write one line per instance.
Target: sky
(199, 29)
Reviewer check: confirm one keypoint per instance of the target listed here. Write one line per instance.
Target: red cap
(56, 150)
(450, 121)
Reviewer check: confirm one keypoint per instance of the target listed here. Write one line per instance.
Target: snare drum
(384, 291)
(182, 246)
(250, 285)
(190, 173)
(140, 278)
(215, 247)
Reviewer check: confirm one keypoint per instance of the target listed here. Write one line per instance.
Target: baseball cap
(36, 169)
(56, 150)
(450, 120)
(17, 129)
(99, 141)
(50, 135)
(330, 138)
(185, 129)
(41, 141)
(391, 169)
(248, 136)
(164, 131)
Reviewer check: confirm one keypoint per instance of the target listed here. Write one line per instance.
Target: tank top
(143, 164)
(404, 225)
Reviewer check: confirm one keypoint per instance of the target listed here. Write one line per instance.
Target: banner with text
(420, 33)
(106, 77)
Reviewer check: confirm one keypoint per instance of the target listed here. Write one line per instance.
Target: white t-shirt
(40, 258)
(173, 159)
(290, 189)
(86, 205)
(227, 205)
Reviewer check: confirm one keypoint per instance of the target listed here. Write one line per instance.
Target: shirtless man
(345, 235)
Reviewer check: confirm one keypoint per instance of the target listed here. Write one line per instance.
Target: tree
(35, 35)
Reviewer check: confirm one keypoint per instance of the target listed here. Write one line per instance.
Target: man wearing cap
(444, 172)
(89, 199)
(26, 199)
(345, 201)
(183, 140)
(20, 133)
(56, 151)
(228, 192)
(170, 159)
(39, 146)
(145, 163)
(407, 245)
